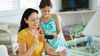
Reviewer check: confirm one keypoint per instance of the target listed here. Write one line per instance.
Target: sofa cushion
(5, 38)
(3, 26)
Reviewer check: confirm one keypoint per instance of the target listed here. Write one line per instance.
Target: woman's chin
(35, 26)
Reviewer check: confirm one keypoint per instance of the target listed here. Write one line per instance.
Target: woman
(51, 26)
(29, 37)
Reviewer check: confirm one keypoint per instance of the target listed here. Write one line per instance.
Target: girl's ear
(25, 20)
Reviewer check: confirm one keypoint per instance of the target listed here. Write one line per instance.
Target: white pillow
(3, 26)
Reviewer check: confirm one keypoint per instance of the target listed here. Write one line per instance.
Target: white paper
(59, 49)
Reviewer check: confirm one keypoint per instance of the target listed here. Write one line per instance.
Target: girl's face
(46, 11)
(33, 20)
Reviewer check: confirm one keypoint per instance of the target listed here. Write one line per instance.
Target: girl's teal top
(50, 29)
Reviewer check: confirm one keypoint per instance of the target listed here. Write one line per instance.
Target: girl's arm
(58, 25)
(26, 52)
(48, 48)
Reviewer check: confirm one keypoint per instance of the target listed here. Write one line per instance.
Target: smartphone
(49, 37)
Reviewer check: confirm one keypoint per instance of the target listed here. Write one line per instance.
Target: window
(29, 3)
(16, 7)
(6, 5)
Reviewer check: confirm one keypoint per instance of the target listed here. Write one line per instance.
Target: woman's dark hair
(45, 3)
(26, 14)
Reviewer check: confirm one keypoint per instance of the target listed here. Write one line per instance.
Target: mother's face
(33, 20)
(46, 11)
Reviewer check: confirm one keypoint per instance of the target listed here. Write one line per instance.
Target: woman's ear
(25, 20)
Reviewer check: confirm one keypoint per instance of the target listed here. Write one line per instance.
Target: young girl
(29, 40)
(51, 26)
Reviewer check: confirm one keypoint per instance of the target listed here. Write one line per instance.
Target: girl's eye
(44, 11)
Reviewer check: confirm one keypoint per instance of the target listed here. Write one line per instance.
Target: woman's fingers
(36, 39)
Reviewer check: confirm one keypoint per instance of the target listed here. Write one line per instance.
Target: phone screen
(49, 37)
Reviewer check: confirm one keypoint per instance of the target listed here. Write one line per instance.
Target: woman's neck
(31, 29)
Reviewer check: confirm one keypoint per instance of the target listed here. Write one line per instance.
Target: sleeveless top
(49, 29)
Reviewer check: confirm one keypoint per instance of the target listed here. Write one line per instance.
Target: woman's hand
(36, 39)
(43, 37)
(62, 53)
(22, 46)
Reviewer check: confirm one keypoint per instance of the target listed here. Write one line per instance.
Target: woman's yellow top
(28, 38)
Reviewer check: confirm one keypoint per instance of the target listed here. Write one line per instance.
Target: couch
(8, 36)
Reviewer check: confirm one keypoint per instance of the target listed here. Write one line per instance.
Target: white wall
(68, 19)
(11, 16)
(56, 5)
(94, 4)
(93, 27)
(74, 17)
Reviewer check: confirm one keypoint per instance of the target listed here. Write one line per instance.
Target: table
(83, 51)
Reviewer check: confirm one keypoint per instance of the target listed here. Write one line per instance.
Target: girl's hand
(55, 36)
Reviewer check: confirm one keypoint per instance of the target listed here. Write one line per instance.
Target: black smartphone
(49, 37)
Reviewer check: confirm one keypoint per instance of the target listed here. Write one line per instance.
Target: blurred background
(74, 14)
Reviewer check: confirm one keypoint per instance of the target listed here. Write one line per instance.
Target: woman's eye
(32, 20)
(49, 11)
(37, 18)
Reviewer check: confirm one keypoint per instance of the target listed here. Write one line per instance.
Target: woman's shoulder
(23, 31)
(22, 35)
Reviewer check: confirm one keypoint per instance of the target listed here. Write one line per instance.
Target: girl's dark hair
(45, 3)
(26, 14)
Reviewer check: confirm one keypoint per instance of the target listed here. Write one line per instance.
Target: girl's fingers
(55, 36)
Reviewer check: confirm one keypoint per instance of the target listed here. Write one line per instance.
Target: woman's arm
(52, 52)
(49, 49)
(26, 52)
